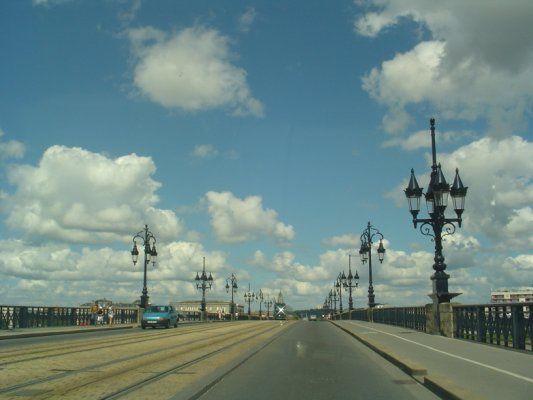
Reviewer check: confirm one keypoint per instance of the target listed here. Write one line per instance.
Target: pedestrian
(110, 314)
(94, 312)
(100, 315)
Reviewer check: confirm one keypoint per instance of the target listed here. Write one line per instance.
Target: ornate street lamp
(260, 298)
(203, 283)
(334, 297)
(249, 296)
(350, 282)
(365, 252)
(268, 304)
(437, 200)
(339, 283)
(231, 284)
(150, 255)
(330, 304)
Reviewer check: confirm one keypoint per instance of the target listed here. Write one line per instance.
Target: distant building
(517, 295)
(106, 303)
(216, 309)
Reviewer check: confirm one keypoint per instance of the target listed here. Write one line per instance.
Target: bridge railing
(12, 317)
(408, 317)
(510, 325)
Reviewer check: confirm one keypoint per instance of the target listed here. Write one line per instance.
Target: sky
(263, 136)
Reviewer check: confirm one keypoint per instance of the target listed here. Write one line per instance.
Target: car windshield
(158, 309)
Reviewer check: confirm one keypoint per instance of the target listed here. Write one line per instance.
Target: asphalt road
(316, 360)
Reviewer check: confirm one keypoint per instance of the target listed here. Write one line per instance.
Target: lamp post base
(144, 301)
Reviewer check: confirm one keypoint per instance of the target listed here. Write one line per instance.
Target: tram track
(8, 358)
(131, 389)
(61, 383)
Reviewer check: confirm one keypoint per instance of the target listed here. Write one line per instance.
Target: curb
(439, 386)
(409, 367)
(63, 332)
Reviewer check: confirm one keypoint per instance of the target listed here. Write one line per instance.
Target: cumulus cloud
(204, 151)
(190, 70)
(11, 148)
(57, 274)
(237, 220)
(348, 239)
(501, 189)
(421, 139)
(285, 266)
(478, 63)
(76, 196)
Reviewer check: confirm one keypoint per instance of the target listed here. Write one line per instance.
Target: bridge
(350, 355)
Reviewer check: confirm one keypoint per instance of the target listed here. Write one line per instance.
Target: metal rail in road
(114, 368)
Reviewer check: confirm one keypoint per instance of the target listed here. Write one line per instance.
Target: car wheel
(176, 324)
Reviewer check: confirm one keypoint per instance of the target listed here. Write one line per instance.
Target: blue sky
(263, 136)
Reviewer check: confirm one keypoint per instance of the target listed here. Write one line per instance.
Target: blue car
(165, 316)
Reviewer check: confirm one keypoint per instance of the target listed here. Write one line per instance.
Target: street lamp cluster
(343, 281)
(436, 201)
(150, 255)
(231, 284)
(370, 233)
(203, 283)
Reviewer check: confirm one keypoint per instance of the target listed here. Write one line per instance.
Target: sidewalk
(58, 330)
(452, 368)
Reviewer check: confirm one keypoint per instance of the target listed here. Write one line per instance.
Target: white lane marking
(525, 378)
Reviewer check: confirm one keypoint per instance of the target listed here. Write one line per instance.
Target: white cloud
(128, 15)
(348, 239)
(237, 220)
(56, 274)
(421, 139)
(500, 194)
(204, 151)
(48, 3)
(77, 196)
(247, 19)
(190, 70)
(285, 266)
(11, 148)
(479, 63)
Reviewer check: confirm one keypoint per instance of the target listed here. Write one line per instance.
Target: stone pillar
(140, 313)
(440, 321)
(447, 326)
(430, 319)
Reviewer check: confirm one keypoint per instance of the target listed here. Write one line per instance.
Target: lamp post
(330, 304)
(437, 200)
(338, 284)
(268, 304)
(334, 300)
(150, 254)
(260, 298)
(249, 296)
(203, 283)
(365, 252)
(231, 284)
(350, 282)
